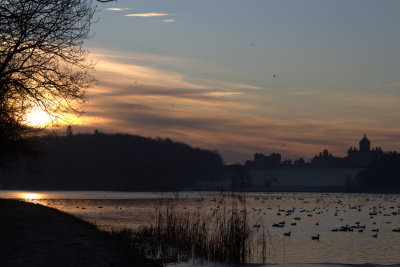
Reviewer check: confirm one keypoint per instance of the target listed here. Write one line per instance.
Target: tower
(365, 144)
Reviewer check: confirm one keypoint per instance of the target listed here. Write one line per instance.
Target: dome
(365, 144)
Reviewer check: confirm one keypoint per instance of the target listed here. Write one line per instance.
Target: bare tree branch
(42, 60)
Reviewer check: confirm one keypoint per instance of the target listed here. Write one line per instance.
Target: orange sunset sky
(241, 77)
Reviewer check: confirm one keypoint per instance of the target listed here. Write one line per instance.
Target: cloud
(117, 9)
(133, 70)
(136, 58)
(147, 95)
(394, 85)
(302, 93)
(227, 85)
(147, 15)
(164, 21)
(130, 74)
(153, 61)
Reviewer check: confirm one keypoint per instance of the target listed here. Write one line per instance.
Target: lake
(352, 228)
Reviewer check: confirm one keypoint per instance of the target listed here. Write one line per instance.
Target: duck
(315, 237)
(280, 224)
(286, 234)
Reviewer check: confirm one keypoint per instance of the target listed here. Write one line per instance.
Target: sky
(240, 77)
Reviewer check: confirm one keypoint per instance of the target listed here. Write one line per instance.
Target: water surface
(312, 214)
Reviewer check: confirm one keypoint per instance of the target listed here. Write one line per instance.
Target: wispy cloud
(131, 74)
(301, 93)
(393, 85)
(117, 9)
(140, 94)
(164, 21)
(137, 58)
(138, 69)
(147, 15)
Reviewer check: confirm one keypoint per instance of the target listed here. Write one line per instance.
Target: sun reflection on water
(30, 196)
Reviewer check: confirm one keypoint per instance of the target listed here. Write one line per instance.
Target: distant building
(356, 158)
(364, 155)
(300, 163)
(324, 159)
(263, 161)
(365, 144)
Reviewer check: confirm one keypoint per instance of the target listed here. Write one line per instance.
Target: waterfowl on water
(315, 237)
(280, 224)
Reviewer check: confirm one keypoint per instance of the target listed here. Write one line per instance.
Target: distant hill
(115, 162)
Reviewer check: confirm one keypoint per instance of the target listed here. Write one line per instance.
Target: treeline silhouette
(116, 162)
(381, 175)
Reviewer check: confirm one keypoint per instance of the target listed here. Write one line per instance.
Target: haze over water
(315, 213)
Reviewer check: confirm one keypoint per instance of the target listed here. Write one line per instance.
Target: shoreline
(36, 235)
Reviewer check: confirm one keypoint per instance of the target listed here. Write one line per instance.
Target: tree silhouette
(381, 175)
(42, 63)
(69, 132)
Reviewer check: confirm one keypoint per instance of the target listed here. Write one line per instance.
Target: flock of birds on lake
(333, 206)
(324, 207)
(339, 206)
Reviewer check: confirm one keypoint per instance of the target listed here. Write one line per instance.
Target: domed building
(356, 158)
(365, 144)
(362, 156)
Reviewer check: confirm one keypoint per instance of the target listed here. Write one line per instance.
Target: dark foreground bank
(35, 235)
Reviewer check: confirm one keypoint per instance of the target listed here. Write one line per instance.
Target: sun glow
(36, 117)
(30, 196)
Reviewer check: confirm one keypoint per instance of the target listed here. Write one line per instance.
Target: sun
(36, 117)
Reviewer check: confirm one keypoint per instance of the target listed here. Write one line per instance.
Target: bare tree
(13, 143)
(42, 61)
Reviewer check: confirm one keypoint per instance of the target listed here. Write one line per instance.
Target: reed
(223, 236)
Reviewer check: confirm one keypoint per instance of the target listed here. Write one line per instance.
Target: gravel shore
(34, 235)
